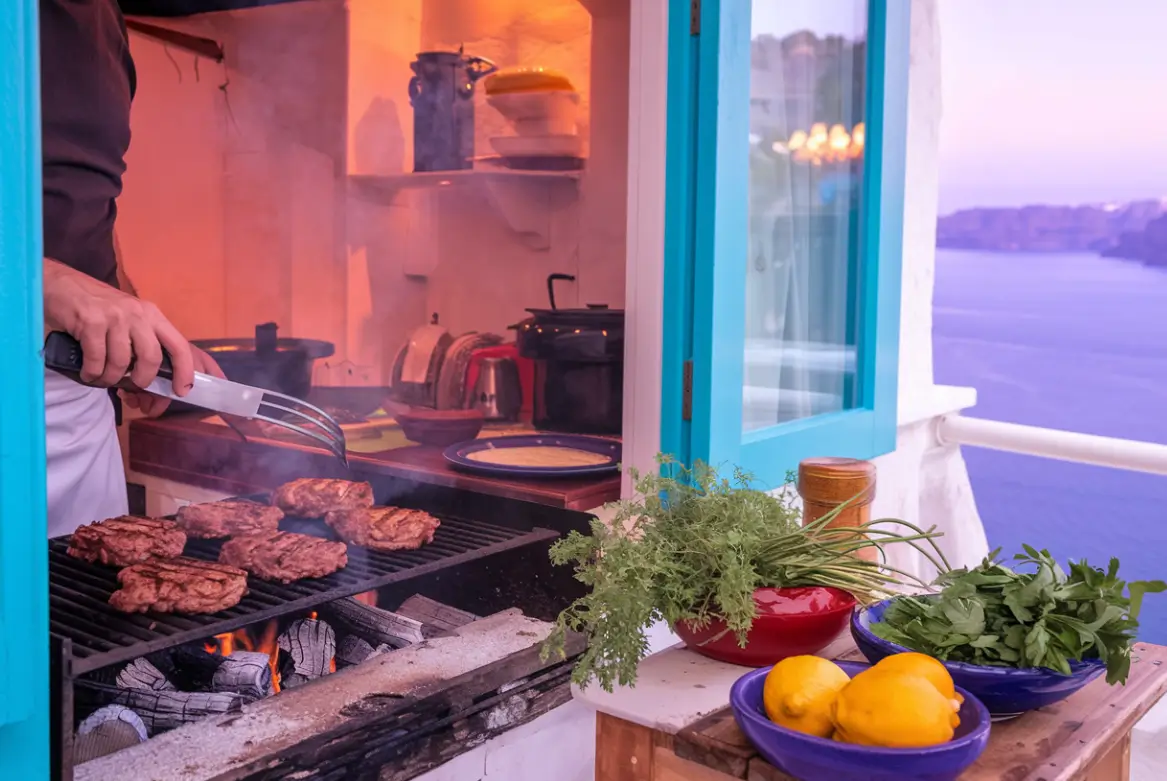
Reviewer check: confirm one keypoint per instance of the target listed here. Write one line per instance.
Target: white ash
(112, 713)
(221, 746)
(247, 673)
(372, 623)
(107, 731)
(308, 648)
(140, 674)
(166, 710)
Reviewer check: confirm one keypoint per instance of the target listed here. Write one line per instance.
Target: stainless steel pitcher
(498, 395)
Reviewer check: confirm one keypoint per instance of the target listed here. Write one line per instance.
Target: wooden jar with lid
(826, 483)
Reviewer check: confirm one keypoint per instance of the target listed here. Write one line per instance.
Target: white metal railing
(1050, 443)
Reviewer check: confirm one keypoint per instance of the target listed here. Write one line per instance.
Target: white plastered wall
(923, 482)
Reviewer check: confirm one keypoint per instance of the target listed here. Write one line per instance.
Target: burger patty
(284, 556)
(311, 497)
(214, 520)
(179, 585)
(384, 528)
(127, 540)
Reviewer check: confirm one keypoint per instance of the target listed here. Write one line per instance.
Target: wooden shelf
(385, 187)
(522, 198)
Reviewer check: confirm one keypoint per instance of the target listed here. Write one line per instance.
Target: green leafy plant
(993, 615)
(692, 546)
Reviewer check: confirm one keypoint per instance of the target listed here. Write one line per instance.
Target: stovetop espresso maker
(442, 95)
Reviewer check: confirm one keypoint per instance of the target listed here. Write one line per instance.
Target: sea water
(1074, 342)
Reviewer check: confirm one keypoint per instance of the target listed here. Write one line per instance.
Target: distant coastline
(1134, 231)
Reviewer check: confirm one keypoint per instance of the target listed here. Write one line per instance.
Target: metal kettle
(441, 93)
(498, 394)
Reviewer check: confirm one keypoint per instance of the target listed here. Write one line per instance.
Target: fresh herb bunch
(992, 615)
(694, 547)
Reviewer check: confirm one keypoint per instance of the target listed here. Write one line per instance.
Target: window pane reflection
(806, 165)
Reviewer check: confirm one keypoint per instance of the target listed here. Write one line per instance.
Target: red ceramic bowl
(790, 622)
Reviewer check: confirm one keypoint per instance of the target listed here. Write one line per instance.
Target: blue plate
(818, 759)
(1006, 691)
(609, 448)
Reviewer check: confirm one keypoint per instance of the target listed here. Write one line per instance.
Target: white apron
(86, 481)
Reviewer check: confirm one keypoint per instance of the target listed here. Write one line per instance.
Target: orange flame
(244, 640)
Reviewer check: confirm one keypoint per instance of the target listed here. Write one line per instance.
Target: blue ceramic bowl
(1005, 691)
(819, 759)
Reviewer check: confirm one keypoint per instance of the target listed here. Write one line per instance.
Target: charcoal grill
(481, 542)
(100, 636)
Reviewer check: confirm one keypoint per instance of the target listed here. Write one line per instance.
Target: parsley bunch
(992, 615)
(694, 547)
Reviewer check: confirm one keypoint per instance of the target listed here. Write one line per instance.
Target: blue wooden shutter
(707, 249)
(24, 624)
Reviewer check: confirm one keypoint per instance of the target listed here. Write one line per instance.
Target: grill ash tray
(79, 592)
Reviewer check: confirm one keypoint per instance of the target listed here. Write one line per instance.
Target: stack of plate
(542, 106)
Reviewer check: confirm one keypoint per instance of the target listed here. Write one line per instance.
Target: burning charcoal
(189, 667)
(352, 650)
(140, 674)
(437, 619)
(307, 650)
(246, 673)
(372, 623)
(107, 730)
(163, 710)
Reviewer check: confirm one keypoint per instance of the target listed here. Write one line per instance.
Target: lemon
(926, 667)
(799, 692)
(893, 710)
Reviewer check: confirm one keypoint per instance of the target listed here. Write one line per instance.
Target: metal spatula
(63, 355)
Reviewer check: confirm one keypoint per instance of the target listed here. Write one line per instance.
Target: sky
(1052, 101)
(1044, 101)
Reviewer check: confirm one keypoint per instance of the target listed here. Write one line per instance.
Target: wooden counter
(188, 450)
(1084, 738)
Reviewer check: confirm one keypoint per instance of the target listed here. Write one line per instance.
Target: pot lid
(266, 343)
(313, 347)
(594, 315)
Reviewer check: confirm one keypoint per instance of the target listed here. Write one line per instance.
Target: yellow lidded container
(527, 79)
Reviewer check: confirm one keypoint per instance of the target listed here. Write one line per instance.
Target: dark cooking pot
(594, 334)
(579, 365)
(267, 361)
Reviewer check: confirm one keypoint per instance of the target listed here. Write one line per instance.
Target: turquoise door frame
(706, 252)
(24, 587)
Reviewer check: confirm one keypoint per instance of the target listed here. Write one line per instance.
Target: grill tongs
(63, 355)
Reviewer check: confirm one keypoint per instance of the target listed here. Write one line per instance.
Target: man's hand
(152, 406)
(115, 330)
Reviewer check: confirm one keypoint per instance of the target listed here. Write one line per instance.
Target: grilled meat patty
(179, 585)
(384, 528)
(214, 520)
(127, 540)
(311, 497)
(284, 556)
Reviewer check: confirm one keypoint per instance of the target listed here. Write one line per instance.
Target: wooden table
(1084, 738)
(189, 450)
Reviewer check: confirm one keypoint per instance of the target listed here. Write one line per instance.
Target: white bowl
(561, 145)
(539, 113)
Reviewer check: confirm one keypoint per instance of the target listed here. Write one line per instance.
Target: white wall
(921, 481)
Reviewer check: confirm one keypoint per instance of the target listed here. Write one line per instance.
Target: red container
(790, 622)
(526, 373)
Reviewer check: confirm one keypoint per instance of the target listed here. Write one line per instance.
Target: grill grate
(79, 592)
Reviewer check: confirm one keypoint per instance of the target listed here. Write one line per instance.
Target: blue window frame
(783, 238)
(24, 686)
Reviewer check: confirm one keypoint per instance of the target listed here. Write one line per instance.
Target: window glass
(807, 86)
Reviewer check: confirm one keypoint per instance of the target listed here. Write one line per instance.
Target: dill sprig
(693, 546)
